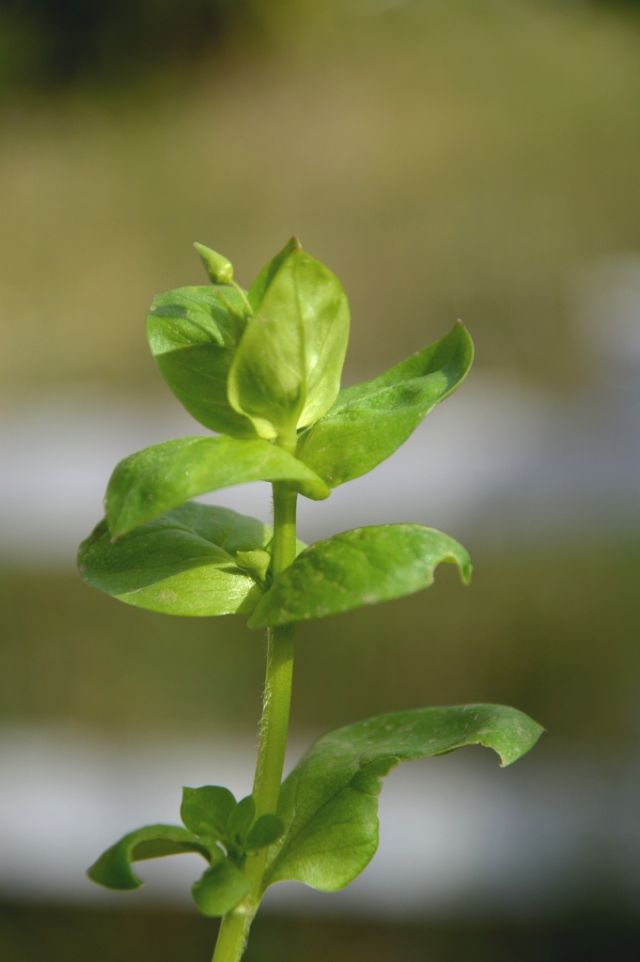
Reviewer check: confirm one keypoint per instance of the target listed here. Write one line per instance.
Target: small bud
(219, 269)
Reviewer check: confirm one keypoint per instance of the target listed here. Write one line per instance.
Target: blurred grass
(553, 632)
(446, 159)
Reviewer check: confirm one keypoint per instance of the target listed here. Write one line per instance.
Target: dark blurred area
(476, 159)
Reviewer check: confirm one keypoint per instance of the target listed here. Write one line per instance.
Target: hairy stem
(274, 727)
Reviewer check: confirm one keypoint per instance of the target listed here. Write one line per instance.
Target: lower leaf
(220, 889)
(113, 868)
(329, 801)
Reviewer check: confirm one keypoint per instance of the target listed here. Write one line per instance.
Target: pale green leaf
(193, 333)
(286, 371)
(151, 482)
(360, 567)
(329, 801)
(369, 421)
(180, 564)
(113, 868)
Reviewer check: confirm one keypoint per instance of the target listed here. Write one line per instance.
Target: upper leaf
(329, 801)
(369, 421)
(360, 567)
(286, 371)
(193, 333)
(113, 868)
(180, 564)
(147, 484)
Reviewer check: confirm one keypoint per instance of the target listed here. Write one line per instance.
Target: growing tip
(218, 267)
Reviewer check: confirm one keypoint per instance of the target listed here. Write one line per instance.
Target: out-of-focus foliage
(46, 43)
(448, 159)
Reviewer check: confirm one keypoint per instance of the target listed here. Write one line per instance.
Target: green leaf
(113, 868)
(206, 810)
(220, 889)
(329, 801)
(149, 483)
(257, 290)
(369, 421)
(264, 832)
(360, 567)
(240, 820)
(286, 371)
(193, 333)
(180, 564)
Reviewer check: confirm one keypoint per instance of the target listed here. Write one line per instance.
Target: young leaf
(180, 564)
(329, 801)
(286, 371)
(113, 868)
(206, 810)
(193, 333)
(240, 820)
(264, 832)
(147, 484)
(369, 421)
(360, 567)
(220, 889)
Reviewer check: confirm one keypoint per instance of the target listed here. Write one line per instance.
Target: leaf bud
(219, 269)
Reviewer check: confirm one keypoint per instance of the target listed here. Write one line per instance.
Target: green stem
(274, 728)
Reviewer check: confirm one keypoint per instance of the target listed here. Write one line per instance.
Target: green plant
(262, 368)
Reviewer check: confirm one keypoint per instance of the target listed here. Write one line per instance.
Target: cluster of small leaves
(257, 366)
(217, 827)
(326, 829)
(262, 369)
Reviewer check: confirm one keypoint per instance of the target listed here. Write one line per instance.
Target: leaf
(286, 371)
(220, 889)
(361, 567)
(240, 820)
(329, 801)
(113, 868)
(263, 280)
(265, 831)
(193, 333)
(180, 564)
(206, 810)
(369, 421)
(149, 483)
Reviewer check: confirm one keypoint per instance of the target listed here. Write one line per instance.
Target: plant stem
(274, 728)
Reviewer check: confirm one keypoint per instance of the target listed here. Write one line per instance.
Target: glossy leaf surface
(113, 868)
(360, 567)
(193, 333)
(286, 371)
(151, 482)
(369, 421)
(180, 564)
(329, 801)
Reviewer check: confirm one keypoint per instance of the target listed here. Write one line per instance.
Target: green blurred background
(447, 158)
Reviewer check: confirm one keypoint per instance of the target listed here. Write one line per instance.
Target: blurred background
(447, 158)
